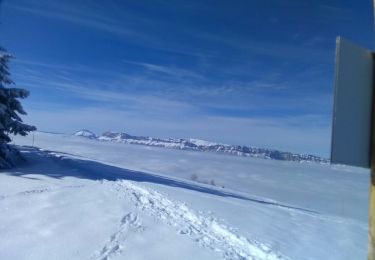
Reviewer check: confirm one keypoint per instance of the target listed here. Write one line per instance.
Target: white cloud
(168, 70)
(108, 18)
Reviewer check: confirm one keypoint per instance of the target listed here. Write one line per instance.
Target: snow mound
(85, 133)
(206, 230)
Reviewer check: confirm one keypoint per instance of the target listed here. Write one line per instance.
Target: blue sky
(241, 72)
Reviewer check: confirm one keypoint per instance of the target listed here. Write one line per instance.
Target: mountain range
(202, 146)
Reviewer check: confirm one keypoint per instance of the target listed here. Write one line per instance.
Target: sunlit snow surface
(84, 199)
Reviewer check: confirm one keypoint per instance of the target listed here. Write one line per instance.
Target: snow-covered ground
(82, 199)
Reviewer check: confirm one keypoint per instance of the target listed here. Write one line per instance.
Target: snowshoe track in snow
(115, 244)
(41, 190)
(205, 230)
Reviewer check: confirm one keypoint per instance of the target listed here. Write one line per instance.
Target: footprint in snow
(114, 245)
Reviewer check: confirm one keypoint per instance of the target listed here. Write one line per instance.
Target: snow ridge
(206, 230)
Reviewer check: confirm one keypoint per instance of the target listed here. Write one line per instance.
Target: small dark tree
(10, 109)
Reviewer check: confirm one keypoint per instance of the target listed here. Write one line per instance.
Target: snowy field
(77, 198)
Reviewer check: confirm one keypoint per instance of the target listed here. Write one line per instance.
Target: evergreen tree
(10, 109)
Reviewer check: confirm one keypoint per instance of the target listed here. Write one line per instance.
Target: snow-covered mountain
(202, 146)
(85, 133)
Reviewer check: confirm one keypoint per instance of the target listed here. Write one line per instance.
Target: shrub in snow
(194, 177)
(10, 109)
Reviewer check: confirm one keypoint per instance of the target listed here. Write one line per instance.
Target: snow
(204, 230)
(206, 146)
(202, 142)
(78, 198)
(85, 133)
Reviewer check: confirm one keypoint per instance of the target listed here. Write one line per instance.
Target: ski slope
(76, 198)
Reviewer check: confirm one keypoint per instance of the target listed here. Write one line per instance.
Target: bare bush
(194, 177)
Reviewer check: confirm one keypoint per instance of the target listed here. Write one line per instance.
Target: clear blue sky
(241, 72)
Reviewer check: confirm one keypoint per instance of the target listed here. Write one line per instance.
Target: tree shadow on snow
(60, 165)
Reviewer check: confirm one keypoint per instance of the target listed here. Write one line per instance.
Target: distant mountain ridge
(202, 146)
(86, 133)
